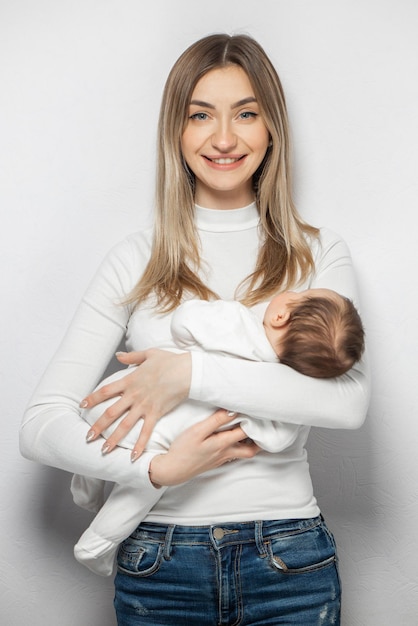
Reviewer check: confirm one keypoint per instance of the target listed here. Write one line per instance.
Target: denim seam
(240, 612)
(144, 573)
(168, 542)
(311, 568)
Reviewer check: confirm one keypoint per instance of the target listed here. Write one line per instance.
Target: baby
(317, 332)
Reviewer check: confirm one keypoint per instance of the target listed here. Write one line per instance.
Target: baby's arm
(223, 327)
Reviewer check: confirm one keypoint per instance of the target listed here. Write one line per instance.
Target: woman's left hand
(159, 384)
(201, 448)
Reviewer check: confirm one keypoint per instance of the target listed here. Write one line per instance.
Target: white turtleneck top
(269, 486)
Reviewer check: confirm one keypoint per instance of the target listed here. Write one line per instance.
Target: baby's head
(316, 332)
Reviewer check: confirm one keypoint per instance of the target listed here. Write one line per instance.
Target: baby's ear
(280, 319)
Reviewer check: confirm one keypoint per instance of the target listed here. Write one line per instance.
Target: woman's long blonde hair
(285, 257)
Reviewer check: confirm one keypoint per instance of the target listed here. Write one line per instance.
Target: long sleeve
(52, 430)
(278, 393)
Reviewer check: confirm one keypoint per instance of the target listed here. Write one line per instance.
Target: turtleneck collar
(215, 220)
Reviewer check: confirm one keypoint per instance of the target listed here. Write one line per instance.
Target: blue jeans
(246, 574)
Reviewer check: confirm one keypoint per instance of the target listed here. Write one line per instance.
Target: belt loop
(259, 540)
(168, 542)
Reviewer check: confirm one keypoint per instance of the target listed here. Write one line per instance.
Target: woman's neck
(223, 200)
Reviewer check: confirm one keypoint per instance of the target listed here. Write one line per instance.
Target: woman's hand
(200, 448)
(159, 384)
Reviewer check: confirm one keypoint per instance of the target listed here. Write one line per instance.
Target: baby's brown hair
(324, 337)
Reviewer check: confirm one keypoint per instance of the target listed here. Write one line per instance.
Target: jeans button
(218, 533)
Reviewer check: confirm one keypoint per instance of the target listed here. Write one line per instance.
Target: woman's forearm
(52, 430)
(58, 439)
(277, 392)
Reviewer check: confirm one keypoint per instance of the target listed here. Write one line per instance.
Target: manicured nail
(90, 436)
(231, 413)
(84, 404)
(106, 448)
(134, 456)
(120, 353)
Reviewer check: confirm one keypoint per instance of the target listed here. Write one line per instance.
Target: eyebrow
(240, 103)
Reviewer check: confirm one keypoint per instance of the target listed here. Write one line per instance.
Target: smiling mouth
(225, 160)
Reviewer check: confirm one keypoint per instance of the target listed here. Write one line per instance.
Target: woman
(242, 543)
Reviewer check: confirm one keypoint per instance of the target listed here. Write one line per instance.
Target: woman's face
(225, 139)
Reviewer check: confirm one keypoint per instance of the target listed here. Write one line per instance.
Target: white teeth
(224, 161)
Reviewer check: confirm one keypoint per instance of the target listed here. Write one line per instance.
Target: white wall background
(80, 85)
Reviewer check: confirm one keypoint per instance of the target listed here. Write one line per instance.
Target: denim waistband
(224, 534)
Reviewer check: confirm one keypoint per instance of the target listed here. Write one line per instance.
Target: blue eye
(199, 116)
(246, 115)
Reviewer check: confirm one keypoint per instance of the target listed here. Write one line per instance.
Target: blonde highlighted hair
(284, 258)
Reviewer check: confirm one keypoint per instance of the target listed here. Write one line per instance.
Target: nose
(224, 139)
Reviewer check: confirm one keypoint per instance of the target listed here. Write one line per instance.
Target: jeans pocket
(139, 558)
(302, 552)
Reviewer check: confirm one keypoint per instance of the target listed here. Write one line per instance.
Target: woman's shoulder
(324, 236)
(327, 234)
(134, 247)
(326, 241)
(124, 263)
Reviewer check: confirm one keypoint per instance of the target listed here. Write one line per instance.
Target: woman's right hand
(159, 383)
(200, 448)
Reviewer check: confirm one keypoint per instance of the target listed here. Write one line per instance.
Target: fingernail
(106, 448)
(90, 436)
(83, 404)
(134, 456)
(231, 413)
(120, 353)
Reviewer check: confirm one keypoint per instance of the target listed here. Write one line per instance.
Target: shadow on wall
(59, 590)
(341, 463)
(57, 521)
